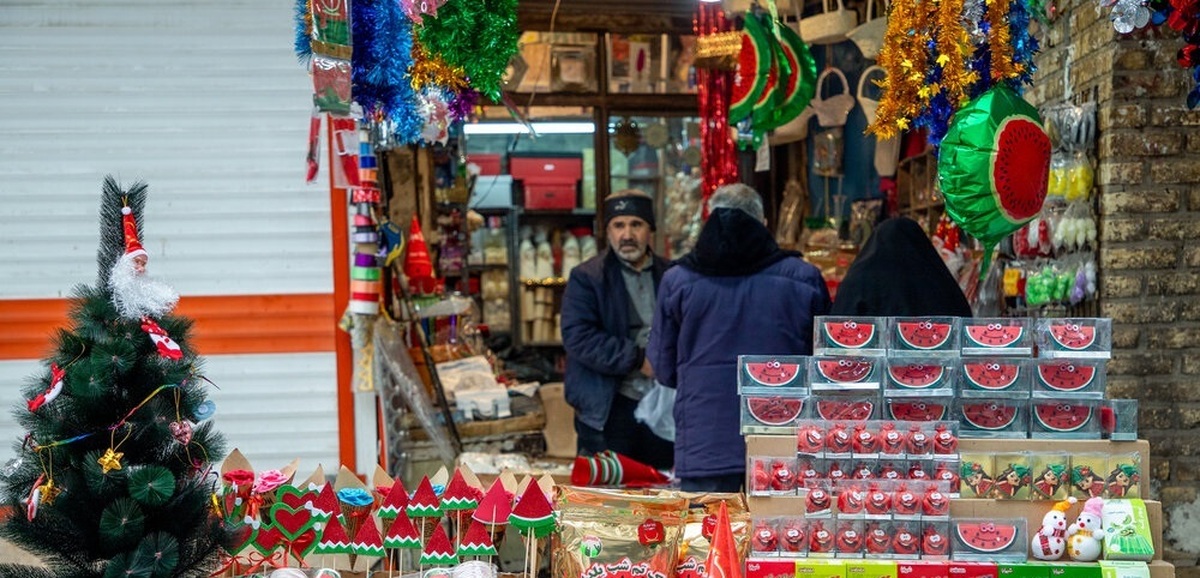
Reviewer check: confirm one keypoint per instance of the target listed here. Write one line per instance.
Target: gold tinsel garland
(903, 58)
(954, 48)
(1000, 41)
(430, 70)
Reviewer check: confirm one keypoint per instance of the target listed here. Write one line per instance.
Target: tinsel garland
(1024, 44)
(903, 58)
(431, 70)
(463, 103)
(479, 36)
(718, 151)
(379, 67)
(949, 79)
(303, 42)
(1000, 42)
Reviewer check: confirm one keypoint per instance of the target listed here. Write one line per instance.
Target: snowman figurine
(1050, 542)
(1085, 534)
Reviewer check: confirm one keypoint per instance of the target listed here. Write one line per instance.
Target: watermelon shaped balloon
(994, 166)
(778, 74)
(801, 84)
(754, 65)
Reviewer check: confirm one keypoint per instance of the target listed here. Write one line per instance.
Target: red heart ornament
(296, 498)
(291, 522)
(181, 431)
(267, 540)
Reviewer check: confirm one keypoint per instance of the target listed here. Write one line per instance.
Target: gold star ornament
(111, 460)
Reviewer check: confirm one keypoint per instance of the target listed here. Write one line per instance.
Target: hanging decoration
(994, 166)
(323, 31)
(718, 155)
(939, 53)
(480, 37)
(379, 68)
(627, 136)
(1181, 16)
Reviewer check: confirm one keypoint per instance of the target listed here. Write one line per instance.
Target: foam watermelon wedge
(849, 334)
(920, 410)
(770, 371)
(1073, 336)
(994, 166)
(992, 374)
(773, 410)
(916, 376)
(985, 536)
(753, 68)
(989, 415)
(1066, 376)
(1061, 416)
(924, 335)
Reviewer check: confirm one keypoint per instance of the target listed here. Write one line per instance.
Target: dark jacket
(898, 272)
(737, 293)
(595, 331)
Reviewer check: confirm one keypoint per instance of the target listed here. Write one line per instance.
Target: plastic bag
(657, 411)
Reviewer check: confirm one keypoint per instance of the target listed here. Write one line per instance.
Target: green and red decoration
(367, 542)
(801, 84)
(476, 543)
(459, 495)
(994, 167)
(753, 70)
(395, 502)
(325, 506)
(438, 550)
(424, 502)
(609, 468)
(402, 534)
(333, 538)
(534, 518)
(495, 507)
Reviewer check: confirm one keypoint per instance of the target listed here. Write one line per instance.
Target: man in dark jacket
(606, 313)
(736, 293)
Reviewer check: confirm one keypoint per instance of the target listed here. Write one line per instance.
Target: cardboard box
(820, 568)
(560, 422)
(974, 570)
(1123, 569)
(770, 568)
(1063, 569)
(1161, 569)
(923, 569)
(871, 569)
(1022, 570)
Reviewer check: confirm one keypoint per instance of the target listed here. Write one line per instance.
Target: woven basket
(830, 26)
(868, 36)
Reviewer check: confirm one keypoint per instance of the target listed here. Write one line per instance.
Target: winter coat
(595, 332)
(736, 294)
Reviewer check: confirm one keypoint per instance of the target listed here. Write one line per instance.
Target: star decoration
(111, 460)
(49, 491)
(943, 59)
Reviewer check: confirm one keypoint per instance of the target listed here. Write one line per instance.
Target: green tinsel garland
(479, 36)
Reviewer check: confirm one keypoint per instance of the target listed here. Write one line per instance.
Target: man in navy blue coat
(607, 309)
(736, 293)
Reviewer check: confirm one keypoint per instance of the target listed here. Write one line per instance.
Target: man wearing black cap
(606, 313)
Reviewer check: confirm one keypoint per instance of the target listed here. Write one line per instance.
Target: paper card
(347, 479)
(235, 461)
(1013, 476)
(315, 481)
(381, 479)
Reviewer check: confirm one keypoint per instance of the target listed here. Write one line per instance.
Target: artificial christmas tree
(113, 478)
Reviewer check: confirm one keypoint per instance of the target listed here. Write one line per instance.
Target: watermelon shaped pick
(533, 514)
(401, 534)
(395, 502)
(438, 550)
(459, 495)
(367, 541)
(495, 507)
(994, 166)
(476, 542)
(326, 504)
(424, 503)
(333, 538)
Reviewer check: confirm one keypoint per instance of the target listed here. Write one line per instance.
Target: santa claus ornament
(57, 376)
(163, 342)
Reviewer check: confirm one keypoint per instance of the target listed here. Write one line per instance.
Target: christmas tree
(113, 478)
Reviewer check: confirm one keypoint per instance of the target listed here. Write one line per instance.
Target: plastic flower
(269, 480)
(239, 478)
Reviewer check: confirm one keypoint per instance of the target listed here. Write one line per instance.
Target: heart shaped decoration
(240, 535)
(291, 522)
(181, 431)
(267, 540)
(296, 498)
(304, 544)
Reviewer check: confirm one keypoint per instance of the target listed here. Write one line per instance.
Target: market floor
(14, 555)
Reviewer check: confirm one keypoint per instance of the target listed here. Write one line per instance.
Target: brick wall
(1148, 184)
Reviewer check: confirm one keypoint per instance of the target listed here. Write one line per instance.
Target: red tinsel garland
(718, 152)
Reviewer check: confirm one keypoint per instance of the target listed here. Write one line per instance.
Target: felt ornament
(424, 503)
(609, 468)
(394, 503)
(333, 538)
(57, 377)
(476, 542)
(438, 550)
(495, 507)
(163, 342)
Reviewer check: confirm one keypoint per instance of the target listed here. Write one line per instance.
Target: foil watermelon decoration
(994, 166)
(801, 85)
(753, 69)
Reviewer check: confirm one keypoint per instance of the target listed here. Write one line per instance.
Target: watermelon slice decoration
(1060, 416)
(438, 550)
(994, 166)
(775, 410)
(849, 334)
(989, 415)
(495, 506)
(764, 107)
(924, 335)
(916, 375)
(801, 85)
(916, 410)
(753, 68)
(459, 495)
(992, 375)
(395, 502)
(367, 542)
(844, 370)
(772, 373)
(326, 504)
(424, 502)
(834, 409)
(995, 335)
(986, 537)
(1073, 336)
(476, 542)
(333, 538)
(533, 514)
(402, 534)
(1066, 376)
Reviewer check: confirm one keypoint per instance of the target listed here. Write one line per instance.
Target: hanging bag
(887, 152)
(869, 35)
(830, 26)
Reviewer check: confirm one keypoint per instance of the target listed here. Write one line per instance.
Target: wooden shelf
(547, 282)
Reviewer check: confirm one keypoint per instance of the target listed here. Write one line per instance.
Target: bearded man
(606, 313)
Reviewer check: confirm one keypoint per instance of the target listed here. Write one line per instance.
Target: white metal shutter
(207, 104)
